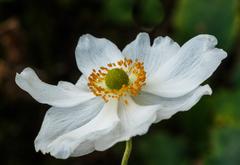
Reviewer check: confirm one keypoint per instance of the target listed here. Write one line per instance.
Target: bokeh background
(44, 34)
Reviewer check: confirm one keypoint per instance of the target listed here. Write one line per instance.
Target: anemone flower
(120, 93)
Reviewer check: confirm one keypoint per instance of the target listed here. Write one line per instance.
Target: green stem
(127, 152)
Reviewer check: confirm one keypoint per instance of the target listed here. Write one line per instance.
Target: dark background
(43, 35)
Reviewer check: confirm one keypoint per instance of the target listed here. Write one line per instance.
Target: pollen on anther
(96, 80)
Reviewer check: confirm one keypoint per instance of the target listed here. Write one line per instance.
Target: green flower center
(116, 78)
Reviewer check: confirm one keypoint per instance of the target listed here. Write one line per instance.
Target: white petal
(163, 49)
(59, 121)
(153, 57)
(170, 106)
(82, 83)
(135, 120)
(138, 49)
(82, 140)
(194, 63)
(65, 94)
(92, 53)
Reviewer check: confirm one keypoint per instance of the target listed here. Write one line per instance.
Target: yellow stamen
(133, 70)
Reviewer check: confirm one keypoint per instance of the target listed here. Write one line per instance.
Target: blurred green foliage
(225, 149)
(225, 131)
(217, 17)
(119, 12)
(208, 134)
(149, 13)
(161, 147)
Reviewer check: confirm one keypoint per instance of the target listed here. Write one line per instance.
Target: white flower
(120, 94)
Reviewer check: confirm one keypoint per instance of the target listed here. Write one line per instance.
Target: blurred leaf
(160, 148)
(217, 17)
(236, 74)
(119, 12)
(195, 125)
(226, 106)
(149, 13)
(225, 149)
(226, 129)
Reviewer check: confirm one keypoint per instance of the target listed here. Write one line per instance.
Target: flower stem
(127, 152)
